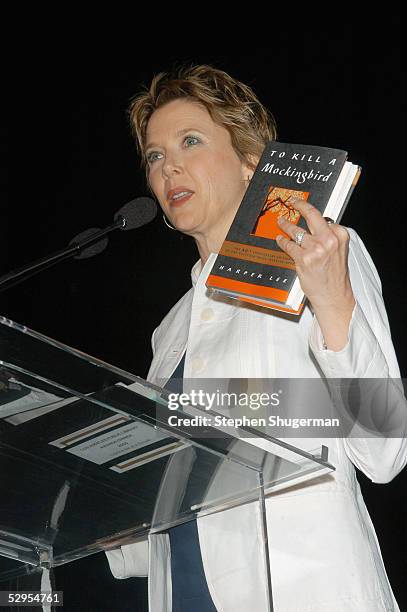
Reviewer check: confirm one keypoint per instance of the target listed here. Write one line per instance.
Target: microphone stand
(20, 274)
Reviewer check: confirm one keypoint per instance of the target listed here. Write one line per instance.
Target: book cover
(250, 265)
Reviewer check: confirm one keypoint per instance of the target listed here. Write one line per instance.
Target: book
(250, 265)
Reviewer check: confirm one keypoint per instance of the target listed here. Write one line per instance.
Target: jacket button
(207, 314)
(197, 364)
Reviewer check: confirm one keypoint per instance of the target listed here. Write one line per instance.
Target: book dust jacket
(250, 261)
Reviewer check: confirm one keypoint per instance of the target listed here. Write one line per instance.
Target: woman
(200, 133)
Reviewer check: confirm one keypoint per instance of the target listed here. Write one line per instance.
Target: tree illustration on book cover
(276, 206)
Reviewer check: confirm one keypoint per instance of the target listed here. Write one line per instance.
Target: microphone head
(136, 213)
(92, 249)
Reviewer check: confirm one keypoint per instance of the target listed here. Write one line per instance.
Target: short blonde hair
(230, 103)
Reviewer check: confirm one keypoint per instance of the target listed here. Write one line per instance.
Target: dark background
(77, 165)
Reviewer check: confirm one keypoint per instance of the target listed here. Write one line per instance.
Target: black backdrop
(77, 165)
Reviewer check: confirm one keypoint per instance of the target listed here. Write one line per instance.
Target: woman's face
(187, 151)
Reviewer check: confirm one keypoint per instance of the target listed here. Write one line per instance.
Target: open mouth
(181, 199)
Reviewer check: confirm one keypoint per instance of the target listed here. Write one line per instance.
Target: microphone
(134, 214)
(94, 249)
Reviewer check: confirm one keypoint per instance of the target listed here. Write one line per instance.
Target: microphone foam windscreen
(138, 212)
(93, 249)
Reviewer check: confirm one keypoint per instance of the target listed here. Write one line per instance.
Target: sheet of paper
(114, 443)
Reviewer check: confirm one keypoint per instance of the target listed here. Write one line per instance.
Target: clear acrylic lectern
(87, 457)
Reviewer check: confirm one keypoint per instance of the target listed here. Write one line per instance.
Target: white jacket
(324, 553)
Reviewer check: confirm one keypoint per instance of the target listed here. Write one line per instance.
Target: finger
(315, 221)
(289, 247)
(342, 235)
(292, 230)
(341, 232)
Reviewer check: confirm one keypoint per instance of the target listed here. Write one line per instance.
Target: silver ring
(299, 237)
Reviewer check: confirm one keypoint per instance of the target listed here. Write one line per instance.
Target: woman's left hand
(322, 267)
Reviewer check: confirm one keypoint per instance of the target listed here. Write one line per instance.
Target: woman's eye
(188, 138)
(151, 157)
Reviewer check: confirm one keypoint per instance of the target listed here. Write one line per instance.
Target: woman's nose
(171, 166)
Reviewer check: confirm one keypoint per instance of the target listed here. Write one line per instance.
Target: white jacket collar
(199, 272)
